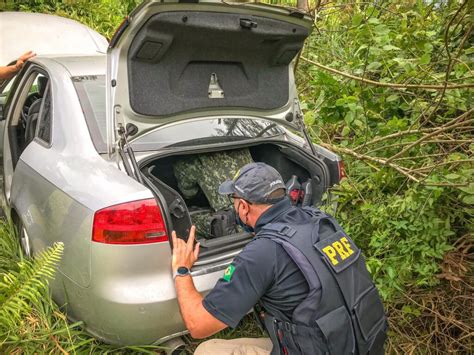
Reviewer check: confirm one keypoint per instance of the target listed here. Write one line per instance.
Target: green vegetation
(104, 16)
(389, 86)
(408, 149)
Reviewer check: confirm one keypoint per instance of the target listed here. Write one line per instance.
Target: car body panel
(50, 215)
(65, 183)
(143, 298)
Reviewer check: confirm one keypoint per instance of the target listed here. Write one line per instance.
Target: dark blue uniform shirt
(262, 271)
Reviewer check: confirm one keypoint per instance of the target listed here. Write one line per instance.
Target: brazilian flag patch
(229, 272)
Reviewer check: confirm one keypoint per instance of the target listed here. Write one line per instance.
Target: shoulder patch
(339, 251)
(229, 272)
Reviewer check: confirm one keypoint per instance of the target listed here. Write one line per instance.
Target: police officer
(308, 278)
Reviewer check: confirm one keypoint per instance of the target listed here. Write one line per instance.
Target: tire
(24, 239)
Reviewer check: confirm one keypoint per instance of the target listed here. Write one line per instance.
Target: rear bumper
(130, 312)
(133, 322)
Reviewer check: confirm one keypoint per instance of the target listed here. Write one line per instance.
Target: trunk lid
(173, 61)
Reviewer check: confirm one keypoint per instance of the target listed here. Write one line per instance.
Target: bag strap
(271, 324)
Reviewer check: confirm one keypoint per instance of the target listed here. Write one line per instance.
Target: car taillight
(135, 222)
(342, 170)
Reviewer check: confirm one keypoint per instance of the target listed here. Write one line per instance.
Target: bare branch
(421, 157)
(402, 170)
(451, 162)
(413, 131)
(438, 131)
(388, 85)
(363, 157)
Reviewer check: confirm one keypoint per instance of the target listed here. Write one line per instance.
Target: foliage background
(389, 86)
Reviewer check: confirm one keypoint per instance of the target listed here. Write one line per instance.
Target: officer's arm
(197, 319)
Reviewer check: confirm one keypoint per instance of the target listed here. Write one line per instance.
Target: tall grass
(30, 322)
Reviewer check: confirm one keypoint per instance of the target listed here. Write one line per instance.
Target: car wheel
(24, 239)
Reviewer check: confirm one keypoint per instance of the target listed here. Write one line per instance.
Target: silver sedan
(91, 143)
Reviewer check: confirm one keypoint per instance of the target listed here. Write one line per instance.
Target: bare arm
(10, 71)
(7, 72)
(197, 319)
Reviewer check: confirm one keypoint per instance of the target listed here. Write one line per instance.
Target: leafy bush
(103, 16)
(366, 76)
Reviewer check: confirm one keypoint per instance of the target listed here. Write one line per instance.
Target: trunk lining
(251, 64)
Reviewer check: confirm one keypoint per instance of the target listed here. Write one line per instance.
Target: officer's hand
(184, 253)
(24, 57)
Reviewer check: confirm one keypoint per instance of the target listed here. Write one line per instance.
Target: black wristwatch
(182, 271)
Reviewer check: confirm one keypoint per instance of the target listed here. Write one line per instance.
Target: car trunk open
(176, 61)
(173, 61)
(181, 212)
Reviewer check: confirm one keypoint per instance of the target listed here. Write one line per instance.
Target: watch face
(182, 270)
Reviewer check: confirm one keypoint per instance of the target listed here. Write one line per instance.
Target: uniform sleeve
(243, 283)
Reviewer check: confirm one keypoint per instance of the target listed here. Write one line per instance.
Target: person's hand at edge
(10, 71)
(23, 58)
(184, 253)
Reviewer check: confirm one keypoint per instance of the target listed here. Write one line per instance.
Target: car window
(5, 90)
(6, 86)
(25, 111)
(91, 93)
(44, 124)
(207, 131)
(34, 88)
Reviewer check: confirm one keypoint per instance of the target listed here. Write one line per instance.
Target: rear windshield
(207, 131)
(91, 93)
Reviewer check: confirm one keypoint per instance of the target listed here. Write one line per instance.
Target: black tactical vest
(346, 315)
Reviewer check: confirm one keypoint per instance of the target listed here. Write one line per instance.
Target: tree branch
(410, 132)
(430, 167)
(388, 85)
(369, 158)
(402, 170)
(438, 131)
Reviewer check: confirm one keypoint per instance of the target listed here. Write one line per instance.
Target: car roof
(45, 35)
(78, 65)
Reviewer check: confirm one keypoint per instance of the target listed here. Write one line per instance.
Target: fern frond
(21, 289)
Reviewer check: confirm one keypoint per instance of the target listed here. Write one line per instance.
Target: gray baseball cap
(254, 182)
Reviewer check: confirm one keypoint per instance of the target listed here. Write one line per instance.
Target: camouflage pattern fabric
(201, 221)
(207, 172)
(187, 185)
